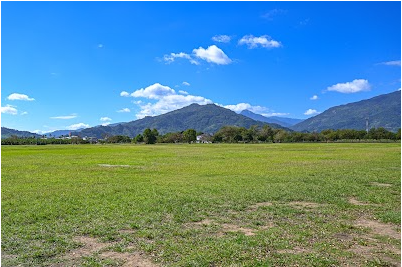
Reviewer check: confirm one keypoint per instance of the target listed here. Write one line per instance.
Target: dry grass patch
(380, 184)
(295, 250)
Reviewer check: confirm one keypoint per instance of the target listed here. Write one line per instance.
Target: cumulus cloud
(155, 91)
(170, 103)
(392, 63)
(212, 54)
(166, 99)
(105, 119)
(243, 106)
(314, 97)
(16, 96)
(68, 117)
(186, 83)
(8, 109)
(124, 110)
(77, 126)
(124, 93)
(105, 124)
(221, 38)
(172, 56)
(355, 86)
(311, 112)
(263, 41)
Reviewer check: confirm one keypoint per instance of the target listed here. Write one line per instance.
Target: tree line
(226, 134)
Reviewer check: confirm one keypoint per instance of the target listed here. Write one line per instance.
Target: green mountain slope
(7, 132)
(205, 118)
(381, 111)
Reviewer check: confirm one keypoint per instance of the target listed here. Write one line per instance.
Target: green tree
(190, 135)
(138, 139)
(149, 136)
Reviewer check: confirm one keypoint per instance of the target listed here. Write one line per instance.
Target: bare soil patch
(261, 204)
(379, 228)
(92, 245)
(131, 259)
(304, 204)
(356, 202)
(295, 250)
(234, 228)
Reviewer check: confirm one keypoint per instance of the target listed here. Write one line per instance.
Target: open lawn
(201, 205)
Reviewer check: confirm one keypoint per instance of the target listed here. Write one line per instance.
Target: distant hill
(205, 118)
(59, 133)
(285, 122)
(7, 132)
(382, 111)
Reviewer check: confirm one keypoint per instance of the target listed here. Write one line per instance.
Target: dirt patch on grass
(131, 259)
(295, 250)
(93, 246)
(380, 184)
(356, 202)
(127, 231)
(260, 204)
(90, 246)
(379, 228)
(235, 228)
(304, 204)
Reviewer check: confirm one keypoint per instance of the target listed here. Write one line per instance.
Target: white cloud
(24, 113)
(68, 117)
(392, 63)
(311, 112)
(314, 97)
(264, 41)
(124, 110)
(77, 126)
(242, 106)
(212, 54)
(124, 93)
(167, 99)
(16, 96)
(8, 109)
(171, 58)
(355, 86)
(105, 124)
(105, 119)
(155, 91)
(186, 83)
(221, 38)
(272, 13)
(170, 103)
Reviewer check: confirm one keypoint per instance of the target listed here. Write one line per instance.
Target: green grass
(52, 194)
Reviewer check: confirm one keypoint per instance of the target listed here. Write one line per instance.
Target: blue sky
(71, 64)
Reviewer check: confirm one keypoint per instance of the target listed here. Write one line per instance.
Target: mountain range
(202, 118)
(380, 111)
(285, 122)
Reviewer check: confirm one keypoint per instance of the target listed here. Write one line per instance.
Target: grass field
(201, 205)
